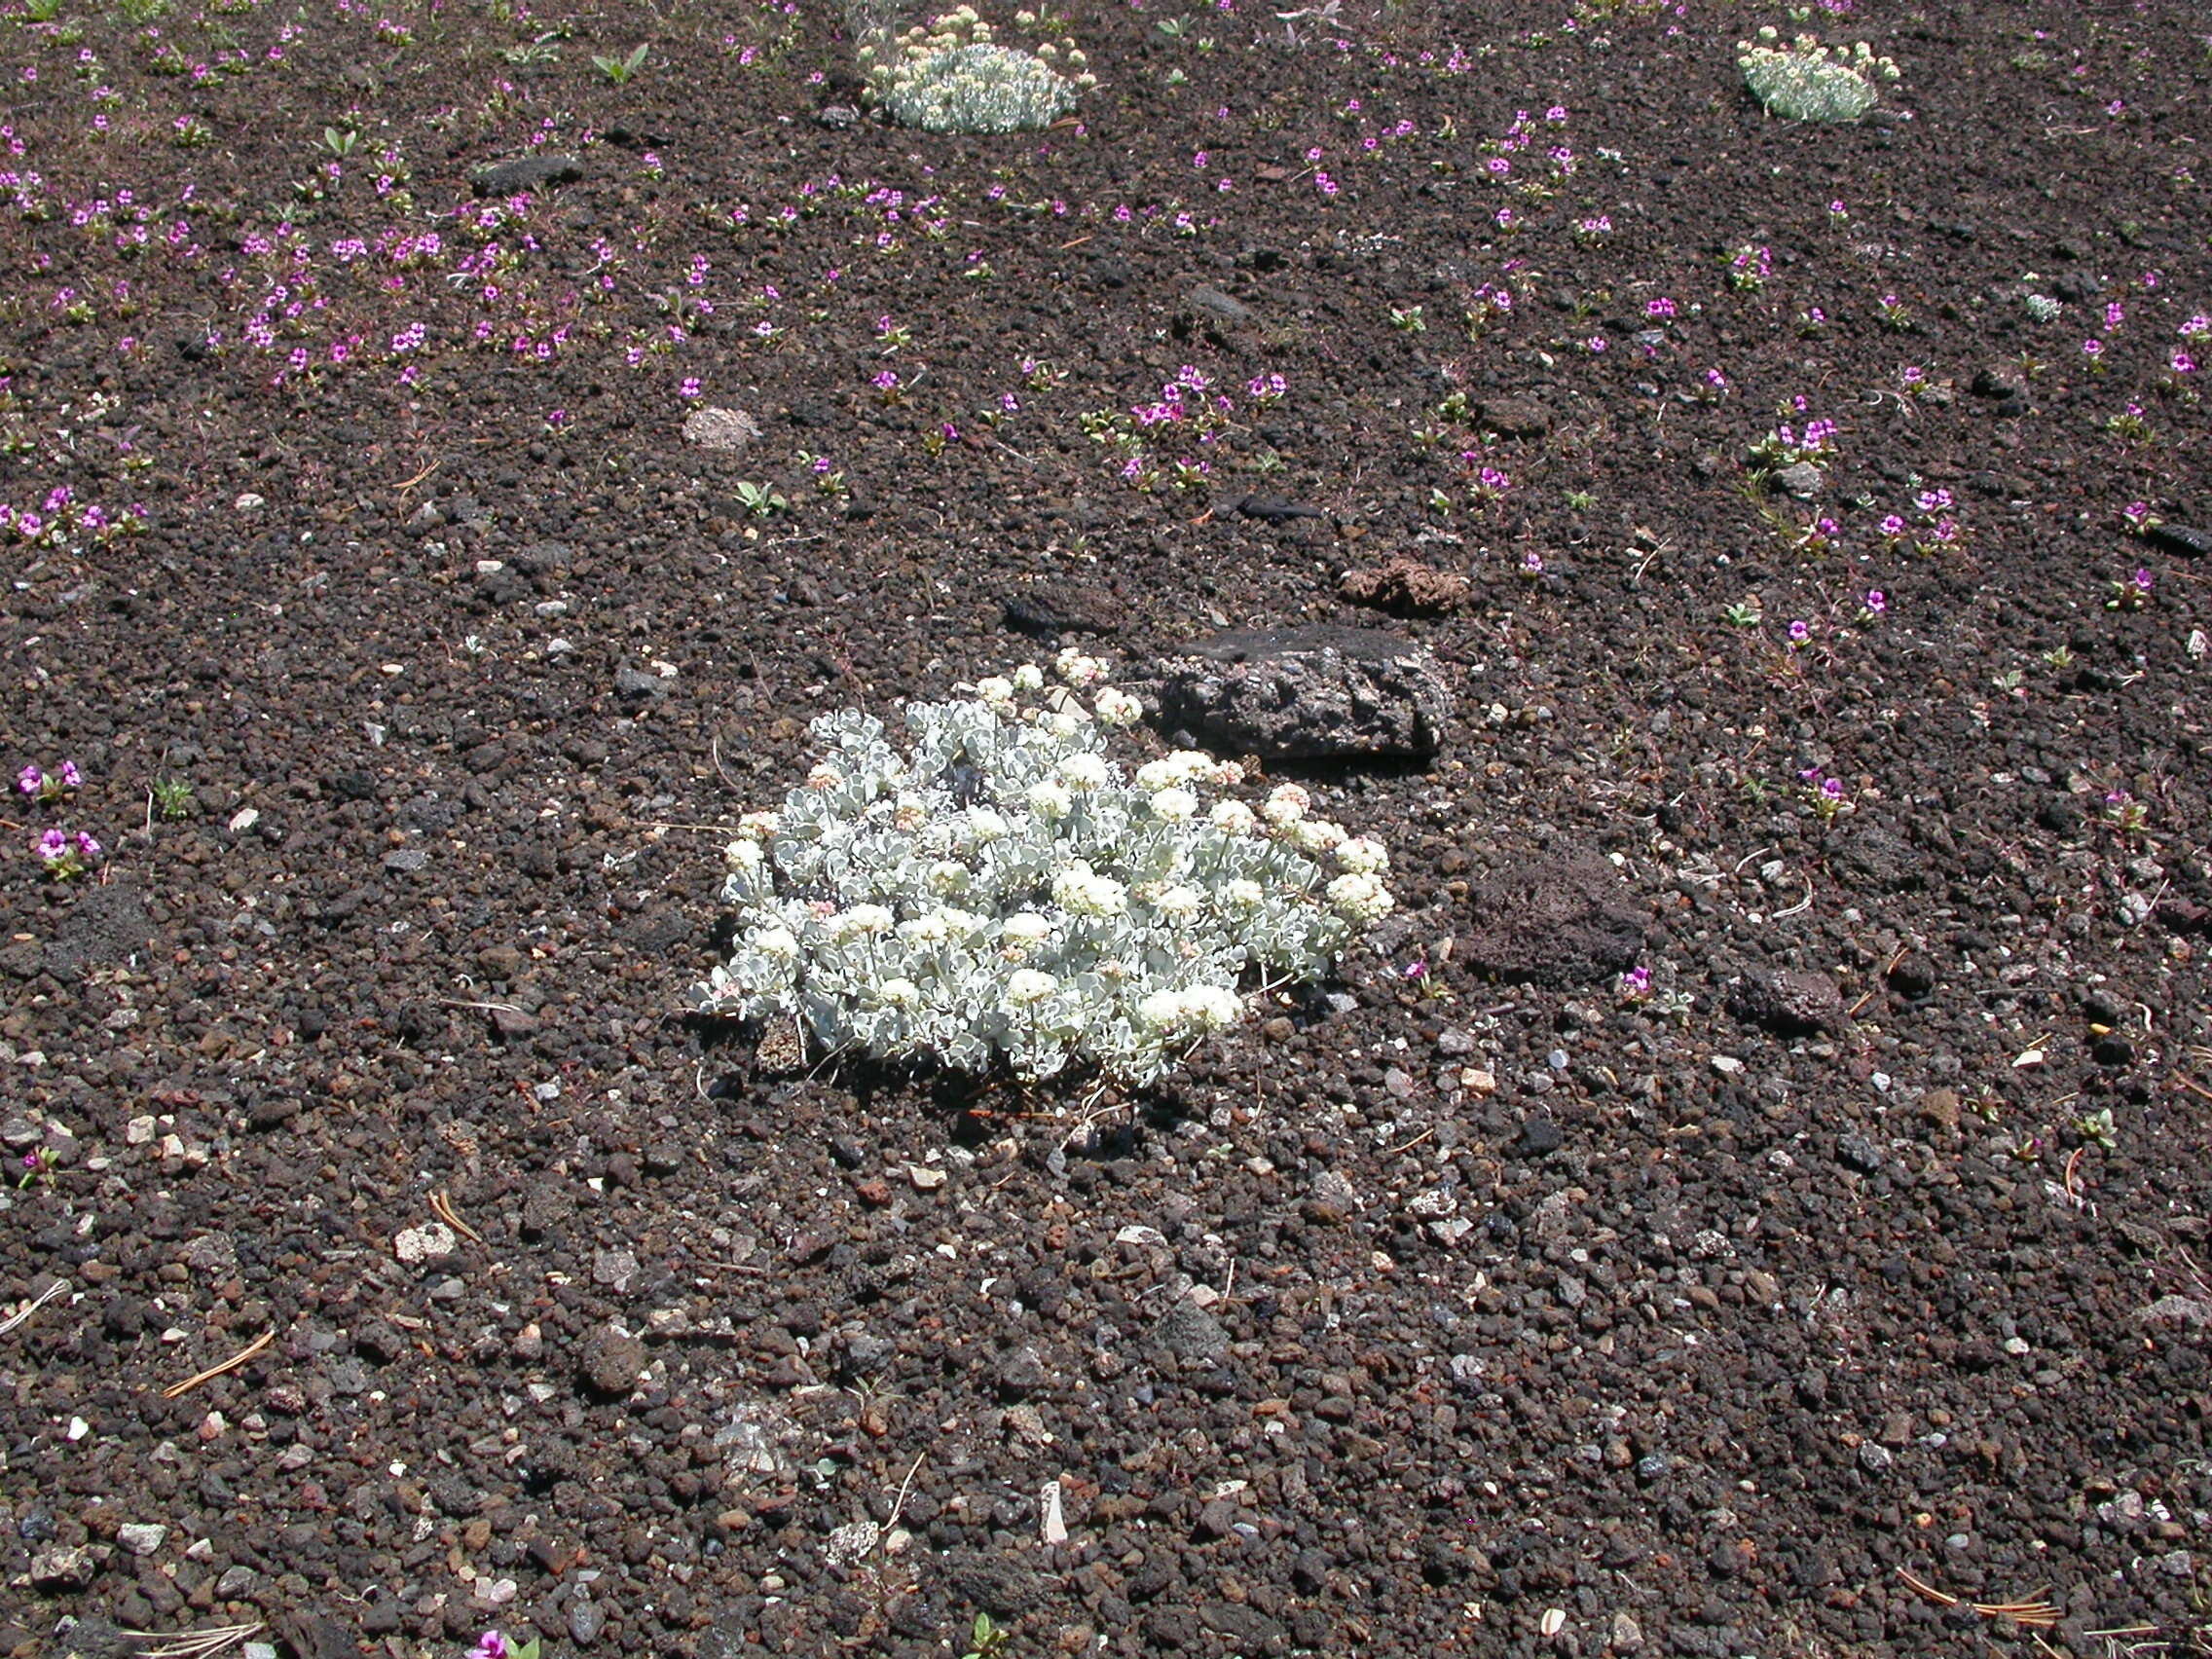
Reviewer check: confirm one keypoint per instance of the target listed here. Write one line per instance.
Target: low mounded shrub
(998, 890)
(1805, 82)
(953, 77)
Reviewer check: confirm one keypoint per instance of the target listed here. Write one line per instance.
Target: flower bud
(1026, 987)
(1285, 804)
(1174, 806)
(1086, 772)
(1363, 855)
(1234, 818)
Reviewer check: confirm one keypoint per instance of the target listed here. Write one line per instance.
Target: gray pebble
(1856, 1152)
(586, 1618)
(611, 1362)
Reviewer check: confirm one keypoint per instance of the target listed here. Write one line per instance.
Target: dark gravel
(1477, 1302)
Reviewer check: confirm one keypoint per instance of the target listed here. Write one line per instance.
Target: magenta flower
(1876, 602)
(492, 1645)
(30, 780)
(1800, 633)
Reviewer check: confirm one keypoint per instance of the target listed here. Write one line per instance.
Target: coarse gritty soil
(1840, 1278)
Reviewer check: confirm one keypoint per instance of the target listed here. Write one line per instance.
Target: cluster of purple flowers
(1751, 267)
(61, 853)
(1827, 794)
(41, 785)
(66, 854)
(60, 512)
(498, 1644)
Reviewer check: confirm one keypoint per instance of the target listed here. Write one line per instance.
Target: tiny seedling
(1743, 614)
(539, 50)
(761, 500)
(1410, 320)
(2098, 1127)
(619, 69)
(987, 1639)
(172, 798)
(339, 144)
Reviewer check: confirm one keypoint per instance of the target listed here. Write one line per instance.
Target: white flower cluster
(1803, 81)
(952, 77)
(999, 889)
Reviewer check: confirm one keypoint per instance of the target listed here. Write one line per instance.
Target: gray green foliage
(953, 77)
(1805, 81)
(999, 890)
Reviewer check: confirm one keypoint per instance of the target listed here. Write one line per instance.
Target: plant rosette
(1000, 891)
(64, 855)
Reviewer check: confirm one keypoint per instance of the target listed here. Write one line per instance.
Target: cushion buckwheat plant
(952, 77)
(1000, 890)
(1803, 81)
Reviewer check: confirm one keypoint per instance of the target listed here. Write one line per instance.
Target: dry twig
(2034, 1613)
(420, 476)
(191, 1645)
(236, 1360)
(443, 1205)
(56, 1288)
(1888, 968)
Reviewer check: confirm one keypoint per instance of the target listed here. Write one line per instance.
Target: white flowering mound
(1000, 890)
(1803, 81)
(952, 77)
